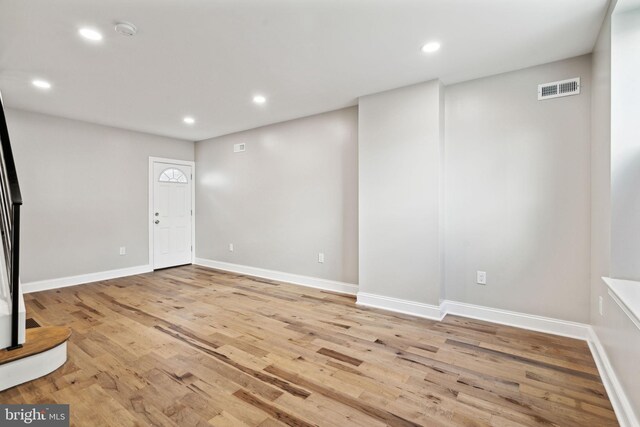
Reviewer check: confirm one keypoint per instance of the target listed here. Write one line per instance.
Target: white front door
(172, 215)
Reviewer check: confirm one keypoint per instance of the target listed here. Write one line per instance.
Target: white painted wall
(617, 333)
(291, 195)
(400, 149)
(517, 192)
(85, 194)
(601, 169)
(625, 146)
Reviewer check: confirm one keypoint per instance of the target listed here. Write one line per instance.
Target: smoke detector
(126, 29)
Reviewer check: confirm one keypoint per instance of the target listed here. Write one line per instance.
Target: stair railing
(10, 203)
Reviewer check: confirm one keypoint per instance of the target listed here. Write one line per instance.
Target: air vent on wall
(238, 148)
(558, 89)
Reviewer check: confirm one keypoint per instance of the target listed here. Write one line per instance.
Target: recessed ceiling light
(259, 99)
(42, 84)
(189, 120)
(90, 34)
(431, 47)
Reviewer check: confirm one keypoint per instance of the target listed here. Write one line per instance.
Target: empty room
(320, 213)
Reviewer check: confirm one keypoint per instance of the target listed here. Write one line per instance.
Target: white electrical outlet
(321, 258)
(123, 250)
(230, 247)
(481, 277)
(600, 305)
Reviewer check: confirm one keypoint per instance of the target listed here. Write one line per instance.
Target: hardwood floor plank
(272, 410)
(339, 356)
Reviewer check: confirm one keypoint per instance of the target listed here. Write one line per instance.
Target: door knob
(157, 221)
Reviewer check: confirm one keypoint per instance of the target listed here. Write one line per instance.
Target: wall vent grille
(558, 89)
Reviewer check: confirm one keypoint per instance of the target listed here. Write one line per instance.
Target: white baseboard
(621, 405)
(532, 322)
(280, 276)
(413, 308)
(63, 282)
(494, 315)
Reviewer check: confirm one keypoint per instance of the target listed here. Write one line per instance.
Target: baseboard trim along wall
(531, 322)
(280, 276)
(63, 282)
(621, 405)
(504, 317)
(397, 305)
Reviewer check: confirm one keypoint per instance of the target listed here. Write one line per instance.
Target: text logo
(34, 415)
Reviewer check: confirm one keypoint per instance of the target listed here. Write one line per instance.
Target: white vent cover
(558, 89)
(238, 148)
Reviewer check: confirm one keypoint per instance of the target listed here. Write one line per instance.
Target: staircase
(9, 323)
(24, 355)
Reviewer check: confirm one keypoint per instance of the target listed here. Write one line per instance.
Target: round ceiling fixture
(126, 29)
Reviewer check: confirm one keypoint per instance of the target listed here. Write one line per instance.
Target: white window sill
(626, 293)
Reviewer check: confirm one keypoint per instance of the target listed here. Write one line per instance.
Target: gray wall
(517, 191)
(400, 150)
(601, 169)
(85, 190)
(625, 150)
(617, 333)
(290, 196)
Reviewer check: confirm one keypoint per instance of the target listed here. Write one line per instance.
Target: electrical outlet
(481, 277)
(230, 247)
(321, 258)
(600, 306)
(123, 250)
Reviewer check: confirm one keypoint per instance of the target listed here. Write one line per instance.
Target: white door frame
(153, 160)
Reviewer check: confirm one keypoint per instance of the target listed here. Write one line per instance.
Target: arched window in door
(173, 175)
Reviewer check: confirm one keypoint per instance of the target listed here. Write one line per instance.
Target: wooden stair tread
(37, 340)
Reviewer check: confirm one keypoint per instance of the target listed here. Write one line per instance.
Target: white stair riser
(32, 367)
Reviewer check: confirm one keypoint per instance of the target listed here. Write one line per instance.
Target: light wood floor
(192, 346)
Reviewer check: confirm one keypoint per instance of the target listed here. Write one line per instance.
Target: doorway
(171, 208)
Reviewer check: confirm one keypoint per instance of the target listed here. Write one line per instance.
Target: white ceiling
(623, 6)
(207, 58)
